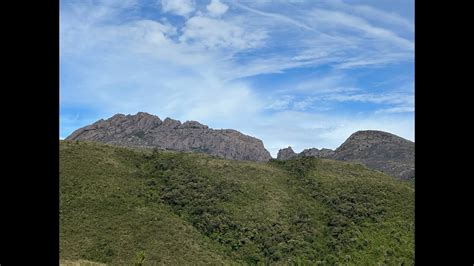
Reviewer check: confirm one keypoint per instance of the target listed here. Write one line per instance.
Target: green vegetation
(124, 206)
(140, 259)
(79, 263)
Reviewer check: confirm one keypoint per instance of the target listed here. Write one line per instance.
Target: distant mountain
(378, 150)
(286, 153)
(144, 130)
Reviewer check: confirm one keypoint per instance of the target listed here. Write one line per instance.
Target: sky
(299, 73)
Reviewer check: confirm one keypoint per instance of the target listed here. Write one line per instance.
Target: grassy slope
(186, 208)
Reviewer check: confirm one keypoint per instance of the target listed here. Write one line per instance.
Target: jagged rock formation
(286, 153)
(144, 130)
(378, 150)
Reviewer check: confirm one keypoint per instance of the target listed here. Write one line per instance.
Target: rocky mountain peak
(144, 130)
(380, 150)
(171, 123)
(374, 137)
(193, 124)
(375, 149)
(286, 153)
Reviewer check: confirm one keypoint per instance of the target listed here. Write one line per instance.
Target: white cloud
(303, 104)
(203, 35)
(350, 43)
(401, 109)
(332, 19)
(213, 33)
(379, 98)
(216, 8)
(320, 84)
(377, 59)
(118, 4)
(374, 14)
(280, 103)
(128, 84)
(178, 7)
(276, 16)
(370, 13)
(136, 66)
(149, 31)
(339, 88)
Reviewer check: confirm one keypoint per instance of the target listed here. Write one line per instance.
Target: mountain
(144, 130)
(378, 150)
(286, 153)
(323, 153)
(118, 205)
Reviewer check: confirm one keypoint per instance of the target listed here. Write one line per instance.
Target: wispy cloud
(336, 18)
(210, 33)
(178, 7)
(216, 8)
(281, 103)
(401, 109)
(374, 14)
(276, 16)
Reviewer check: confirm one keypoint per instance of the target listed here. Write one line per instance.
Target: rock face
(378, 150)
(144, 130)
(286, 153)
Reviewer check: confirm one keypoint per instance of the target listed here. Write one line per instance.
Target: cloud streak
(276, 16)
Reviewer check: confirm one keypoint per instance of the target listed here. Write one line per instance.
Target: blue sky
(304, 73)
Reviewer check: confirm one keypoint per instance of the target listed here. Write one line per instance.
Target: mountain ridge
(379, 150)
(144, 130)
(375, 149)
